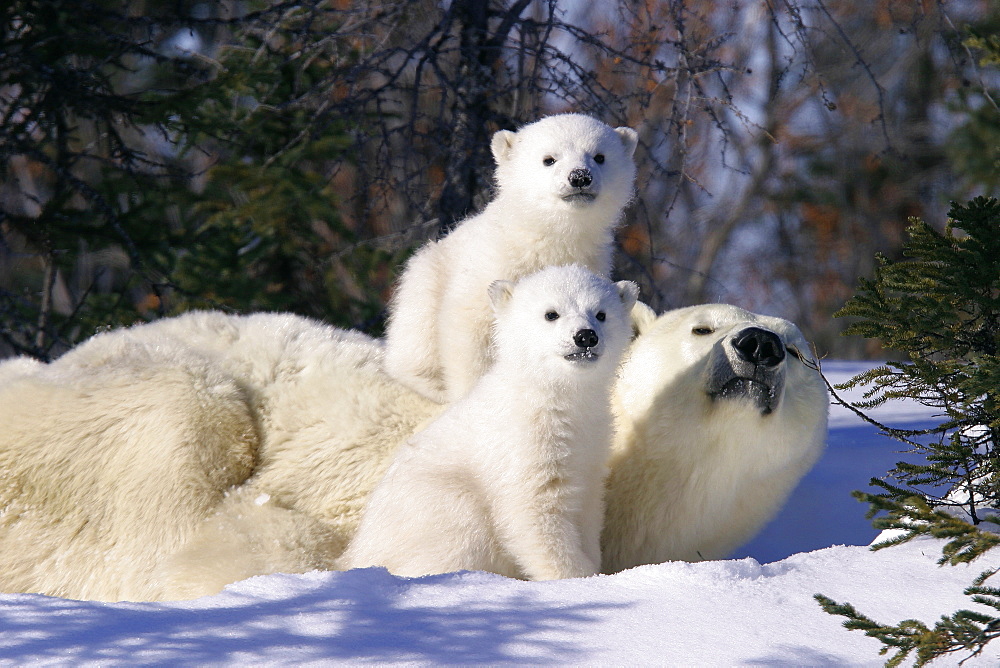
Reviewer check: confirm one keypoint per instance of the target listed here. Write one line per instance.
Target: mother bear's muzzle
(749, 365)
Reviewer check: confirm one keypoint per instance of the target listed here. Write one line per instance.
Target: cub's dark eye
(702, 331)
(551, 315)
(599, 158)
(548, 161)
(601, 316)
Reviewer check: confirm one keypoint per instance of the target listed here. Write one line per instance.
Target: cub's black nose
(759, 346)
(580, 178)
(586, 338)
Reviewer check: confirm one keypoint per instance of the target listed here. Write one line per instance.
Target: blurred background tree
(256, 155)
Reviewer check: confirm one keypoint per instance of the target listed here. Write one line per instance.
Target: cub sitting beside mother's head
(509, 479)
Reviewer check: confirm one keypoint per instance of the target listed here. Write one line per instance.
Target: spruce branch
(941, 307)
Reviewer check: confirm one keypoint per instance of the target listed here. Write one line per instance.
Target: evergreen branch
(940, 308)
(964, 631)
(904, 638)
(888, 431)
(915, 517)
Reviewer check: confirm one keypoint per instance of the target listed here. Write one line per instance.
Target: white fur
(438, 333)
(510, 478)
(131, 467)
(104, 464)
(693, 477)
(167, 460)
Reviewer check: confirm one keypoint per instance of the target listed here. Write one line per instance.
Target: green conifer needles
(940, 307)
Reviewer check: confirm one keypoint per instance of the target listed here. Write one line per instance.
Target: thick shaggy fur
(510, 478)
(437, 341)
(167, 460)
(108, 463)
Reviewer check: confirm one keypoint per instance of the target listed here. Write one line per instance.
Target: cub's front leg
(545, 539)
(412, 355)
(464, 328)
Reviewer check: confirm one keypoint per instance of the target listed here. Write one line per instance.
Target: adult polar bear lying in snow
(562, 183)
(169, 459)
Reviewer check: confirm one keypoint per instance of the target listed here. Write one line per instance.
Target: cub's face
(716, 354)
(562, 320)
(567, 162)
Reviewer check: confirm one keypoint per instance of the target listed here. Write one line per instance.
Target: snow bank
(712, 613)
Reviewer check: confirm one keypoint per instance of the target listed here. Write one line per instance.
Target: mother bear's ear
(642, 318)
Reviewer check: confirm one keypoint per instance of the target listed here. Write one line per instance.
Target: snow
(742, 611)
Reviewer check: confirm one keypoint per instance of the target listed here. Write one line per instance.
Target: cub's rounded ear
(502, 145)
(642, 318)
(500, 293)
(630, 138)
(629, 293)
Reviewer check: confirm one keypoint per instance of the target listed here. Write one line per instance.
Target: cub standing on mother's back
(510, 478)
(562, 183)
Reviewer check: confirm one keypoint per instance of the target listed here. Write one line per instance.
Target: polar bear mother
(170, 459)
(562, 183)
(720, 413)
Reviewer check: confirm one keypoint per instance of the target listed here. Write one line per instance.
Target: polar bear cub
(509, 479)
(562, 183)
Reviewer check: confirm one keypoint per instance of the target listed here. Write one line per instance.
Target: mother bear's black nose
(580, 178)
(759, 346)
(586, 338)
